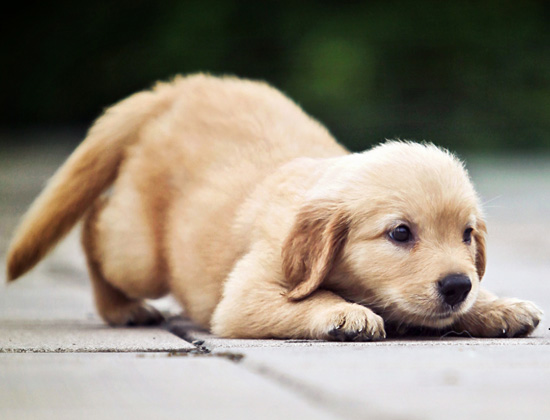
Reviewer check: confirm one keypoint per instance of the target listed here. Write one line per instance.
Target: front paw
(501, 318)
(352, 322)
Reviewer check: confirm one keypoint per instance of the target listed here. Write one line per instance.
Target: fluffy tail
(91, 168)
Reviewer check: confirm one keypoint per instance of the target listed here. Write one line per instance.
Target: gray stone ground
(58, 361)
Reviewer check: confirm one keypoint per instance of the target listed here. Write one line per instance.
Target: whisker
(491, 200)
(456, 332)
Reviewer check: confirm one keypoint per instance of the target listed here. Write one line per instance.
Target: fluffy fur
(228, 196)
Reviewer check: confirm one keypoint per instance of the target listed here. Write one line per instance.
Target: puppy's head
(397, 228)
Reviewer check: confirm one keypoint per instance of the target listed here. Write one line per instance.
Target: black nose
(454, 288)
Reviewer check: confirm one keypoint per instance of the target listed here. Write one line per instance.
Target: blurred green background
(472, 76)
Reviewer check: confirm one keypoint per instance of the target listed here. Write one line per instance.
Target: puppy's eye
(401, 234)
(467, 237)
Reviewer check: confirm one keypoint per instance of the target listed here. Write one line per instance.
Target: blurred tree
(467, 75)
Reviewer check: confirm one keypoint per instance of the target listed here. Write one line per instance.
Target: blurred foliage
(466, 75)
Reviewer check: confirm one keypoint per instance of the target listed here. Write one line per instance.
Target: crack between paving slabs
(313, 395)
(200, 349)
(342, 408)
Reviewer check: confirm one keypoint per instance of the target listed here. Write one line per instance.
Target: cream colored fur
(228, 196)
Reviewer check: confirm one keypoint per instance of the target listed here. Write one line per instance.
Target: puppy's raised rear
(183, 157)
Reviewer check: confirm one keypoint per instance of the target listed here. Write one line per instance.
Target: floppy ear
(479, 235)
(314, 243)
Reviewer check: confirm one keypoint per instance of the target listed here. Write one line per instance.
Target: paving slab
(43, 337)
(416, 382)
(142, 386)
(453, 378)
(26, 302)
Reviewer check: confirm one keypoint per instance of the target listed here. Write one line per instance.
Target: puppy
(228, 196)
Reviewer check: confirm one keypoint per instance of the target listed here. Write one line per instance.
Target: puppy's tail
(91, 168)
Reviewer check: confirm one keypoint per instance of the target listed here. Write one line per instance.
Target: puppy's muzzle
(454, 288)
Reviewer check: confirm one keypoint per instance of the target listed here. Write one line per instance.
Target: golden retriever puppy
(228, 196)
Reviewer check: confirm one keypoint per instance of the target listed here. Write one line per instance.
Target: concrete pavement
(58, 361)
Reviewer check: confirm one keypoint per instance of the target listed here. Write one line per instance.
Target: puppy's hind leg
(113, 305)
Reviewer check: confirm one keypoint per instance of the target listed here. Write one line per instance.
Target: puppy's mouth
(437, 319)
(448, 311)
(444, 315)
(411, 322)
(422, 316)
